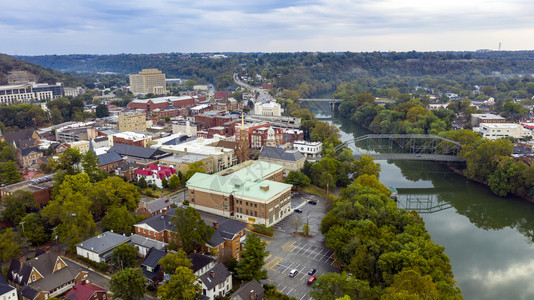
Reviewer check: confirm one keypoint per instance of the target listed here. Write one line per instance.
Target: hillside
(16, 71)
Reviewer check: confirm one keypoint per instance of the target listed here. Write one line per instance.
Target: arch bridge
(404, 147)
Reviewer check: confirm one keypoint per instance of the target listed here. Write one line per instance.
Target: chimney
(164, 212)
(22, 260)
(215, 225)
(252, 295)
(168, 199)
(264, 187)
(185, 150)
(212, 274)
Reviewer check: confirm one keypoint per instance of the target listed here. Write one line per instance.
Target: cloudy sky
(32, 27)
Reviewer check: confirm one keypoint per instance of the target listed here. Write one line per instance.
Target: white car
(293, 273)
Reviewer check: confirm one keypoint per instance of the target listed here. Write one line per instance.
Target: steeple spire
(242, 121)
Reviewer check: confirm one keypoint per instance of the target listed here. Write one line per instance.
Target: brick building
(260, 136)
(151, 104)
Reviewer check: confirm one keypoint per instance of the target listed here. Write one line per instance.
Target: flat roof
(500, 125)
(185, 158)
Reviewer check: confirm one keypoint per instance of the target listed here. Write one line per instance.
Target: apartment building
(148, 81)
(249, 192)
(132, 121)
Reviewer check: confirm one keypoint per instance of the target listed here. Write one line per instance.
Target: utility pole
(22, 223)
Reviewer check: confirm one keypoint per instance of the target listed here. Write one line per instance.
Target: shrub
(261, 228)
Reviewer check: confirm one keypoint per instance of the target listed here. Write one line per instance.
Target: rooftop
(280, 153)
(103, 242)
(186, 158)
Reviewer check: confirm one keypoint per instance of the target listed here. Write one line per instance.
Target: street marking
(266, 241)
(288, 246)
(273, 263)
(265, 259)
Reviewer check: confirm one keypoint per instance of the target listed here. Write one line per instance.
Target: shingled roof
(139, 152)
(108, 158)
(280, 153)
(215, 276)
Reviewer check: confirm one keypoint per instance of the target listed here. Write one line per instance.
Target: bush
(185, 202)
(149, 193)
(101, 266)
(261, 228)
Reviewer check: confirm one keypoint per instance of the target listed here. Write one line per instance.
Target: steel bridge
(404, 147)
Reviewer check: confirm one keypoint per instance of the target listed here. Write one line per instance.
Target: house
(151, 268)
(126, 169)
(155, 174)
(109, 161)
(144, 244)
(291, 160)
(22, 139)
(46, 275)
(216, 282)
(150, 208)
(311, 150)
(87, 291)
(29, 157)
(7, 292)
(100, 247)
(157, 227)
(252, 290)
(201, 263)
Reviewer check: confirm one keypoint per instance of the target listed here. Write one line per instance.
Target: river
(488, 239)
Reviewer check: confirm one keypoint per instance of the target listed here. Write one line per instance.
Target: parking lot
(289, 252)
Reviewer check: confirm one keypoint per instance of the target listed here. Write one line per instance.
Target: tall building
(132, 121)
(242, 152)
(148, 81)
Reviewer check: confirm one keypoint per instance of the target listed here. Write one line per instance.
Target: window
(192, 199)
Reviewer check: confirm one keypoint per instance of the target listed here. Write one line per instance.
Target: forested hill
(289, 70)
(14, 71)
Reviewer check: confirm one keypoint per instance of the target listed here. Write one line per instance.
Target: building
(151, 208)
(40, 187)
(139, 152)
(109, 161)
(181, 162)
(87, 291)
(44, 276)
(24, 138)
(144, 244)
(477, 119)
(132, 138)
(252, 290)
(148, 81)
(82, 146)
(249, 192)
(150, 267)
(162, 103)
(29, 157)
(311, 150)
(216, 282)
(130, 121)
(10, 94)
(155, 174)
(201, 263)
(184, 127)
(100, 247)
(7, 292)
(291, 160)
(494, 131)
(264, 136)
(268, 109)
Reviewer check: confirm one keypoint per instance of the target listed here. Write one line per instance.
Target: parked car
(312, 271)
(312, 202)
(298, 210)
(293, 273)
(311, 280)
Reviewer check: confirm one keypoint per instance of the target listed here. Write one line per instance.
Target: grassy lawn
(157, 192)
(313, 189)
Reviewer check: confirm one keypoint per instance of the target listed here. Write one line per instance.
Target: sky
(38, 27)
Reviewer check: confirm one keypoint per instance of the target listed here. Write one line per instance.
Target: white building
(216, 282)
(312, 150)
(155, 174)
(7, 292)
(100, 247)
(494, 131)
(184, 128)
(267, 109)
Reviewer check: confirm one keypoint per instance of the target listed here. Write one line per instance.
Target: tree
(142, 183)
(9, 173)
(409, 284)
(196, 167)
(119, 220)
(164, 182)
(102, 111)
(297, 178)
(9, 248)
(334, 285)
(89, 162)
(17, 205)
(295, 222)
(128, 284)
(174, 182)
(124, 256)
(251, 264)
(171, 261)
(113, 192)
(306, 229)
(366, 165)
(68, 159)
(323, 131)
(182, 285)
(191, 231)
(32, 227)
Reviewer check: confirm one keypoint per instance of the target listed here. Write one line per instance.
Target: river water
(488, 239)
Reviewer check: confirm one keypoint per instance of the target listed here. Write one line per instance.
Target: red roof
(528, 126)
(83, 291)
(144, 172)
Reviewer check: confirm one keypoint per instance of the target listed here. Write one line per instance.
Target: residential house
(126, 169)
(201, 263)
(157, 227)
(151, 268)
(109, 161)
(87, 291)
(155, 174)
(291, 160)
(148, 207)
(44, 276)
(7, 292)
(144, 244)
(24, 138)
(29, 157)
(252, 290)
(216, 282)
(100, 247)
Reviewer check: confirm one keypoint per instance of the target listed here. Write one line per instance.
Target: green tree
(113, 192)
(183, 285)
(409, 284)
(164, 182)
(124, 256)
(9, 173)
(89, 162)
(251, 264)
(17, 206)
(306, 229)
(196, 167)
(128, 284)
(171, 261)
(323, 131)
(142, 183)
(68, 159)
(119, 220)
(33, 227)
(334, 285)
(174, 182)
(366, 165)
(191, 231)
(102, 111)
(9, 247)
(297, 178)
(502, 180)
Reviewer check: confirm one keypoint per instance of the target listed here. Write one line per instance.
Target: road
(263, 95)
